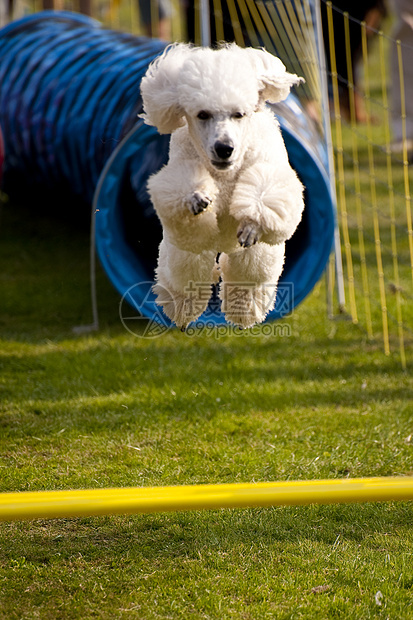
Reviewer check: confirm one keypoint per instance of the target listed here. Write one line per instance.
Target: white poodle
(228, 199)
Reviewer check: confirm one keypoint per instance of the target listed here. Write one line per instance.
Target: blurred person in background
(156, 18)
(372, 12)
(403, 31)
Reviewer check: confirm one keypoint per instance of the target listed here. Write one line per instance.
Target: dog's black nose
(223, 151)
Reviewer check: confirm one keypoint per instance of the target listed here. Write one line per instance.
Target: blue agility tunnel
(1, 155)
(69, 101)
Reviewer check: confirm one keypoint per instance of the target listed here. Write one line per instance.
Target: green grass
(110, 409)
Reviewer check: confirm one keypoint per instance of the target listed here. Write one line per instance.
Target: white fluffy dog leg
(269, 207)
(249, 282)
(183, 283)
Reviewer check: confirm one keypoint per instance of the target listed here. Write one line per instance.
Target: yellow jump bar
(88, 502)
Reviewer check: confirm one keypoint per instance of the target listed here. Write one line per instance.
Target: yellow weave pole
(373, 193)
(340, 166)
(91, 502)
(357, 182)
(408, 198)
(393, 220)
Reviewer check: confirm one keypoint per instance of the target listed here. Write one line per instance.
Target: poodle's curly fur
(228, 188)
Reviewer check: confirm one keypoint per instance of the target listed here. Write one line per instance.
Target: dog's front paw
(198, 202)
(248, 233)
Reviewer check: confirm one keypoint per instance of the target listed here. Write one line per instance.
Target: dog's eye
(238, 115)
(203, 115)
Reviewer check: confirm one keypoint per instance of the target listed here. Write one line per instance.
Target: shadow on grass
(180, 534)
(97, 372)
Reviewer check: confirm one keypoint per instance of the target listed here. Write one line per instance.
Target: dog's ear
(159, 90)
(274, 82)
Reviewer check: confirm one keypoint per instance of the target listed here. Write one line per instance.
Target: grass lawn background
(110, 409)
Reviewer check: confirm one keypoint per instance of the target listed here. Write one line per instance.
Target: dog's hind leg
(183, 283)
(249, 282)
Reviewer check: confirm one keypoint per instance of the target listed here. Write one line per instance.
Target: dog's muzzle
(223, 152)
